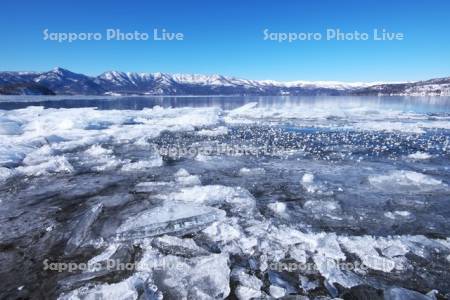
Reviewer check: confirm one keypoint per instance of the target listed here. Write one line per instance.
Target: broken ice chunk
(311, 186)
(221, 130)
(151, 292)
(202, 277)
(142, 165)
(297, 253)
(189, 180)
(251, 172)
(182, 173)
(240, 275)
(82, 228)
(419, 156)
(406, 181)
(246, 293)
(5, 173)
(98, 151)
(276, 279)
(77, 280)
(223, 231)
(101, 159)
(365, 248)
(177, 246)
(122, 290)
(151, 187)
(10, 156)
(307, 285)
(206, 277)
(249, 286)
(170, 217)
(56, 164)
(210, 194)
(184, 178)
(39, 155)
(243, 111)
(394, 250)
(10, 127)
(277, 207)
(322, 206)
(117, 199)
(238, 199)
(404, 294)
(308, 178)
(108, 262)
(276, 291)
(106, 254)
(397, 213)
(330, 270)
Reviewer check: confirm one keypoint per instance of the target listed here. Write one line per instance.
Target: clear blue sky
(226, 37)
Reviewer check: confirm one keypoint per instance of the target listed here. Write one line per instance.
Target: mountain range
(60, 81)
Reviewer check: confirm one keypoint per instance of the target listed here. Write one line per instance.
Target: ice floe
(184, 178)
(407, 180)
(420, 155)
(251, 172)
(277, 207)
(221, 130)
(142, 165)
(397, 213)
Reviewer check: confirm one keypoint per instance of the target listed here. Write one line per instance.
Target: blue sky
(226, 37)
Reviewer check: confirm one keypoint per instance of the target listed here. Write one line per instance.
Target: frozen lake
(215, 197)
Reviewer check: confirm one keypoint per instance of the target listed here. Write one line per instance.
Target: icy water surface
(224, 197)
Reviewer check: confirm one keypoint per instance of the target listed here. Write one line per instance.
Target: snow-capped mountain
(132, 83)
(16, 77)
(65, 82)
(432, 87)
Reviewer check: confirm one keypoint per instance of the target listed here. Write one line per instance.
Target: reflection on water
(399, 103)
